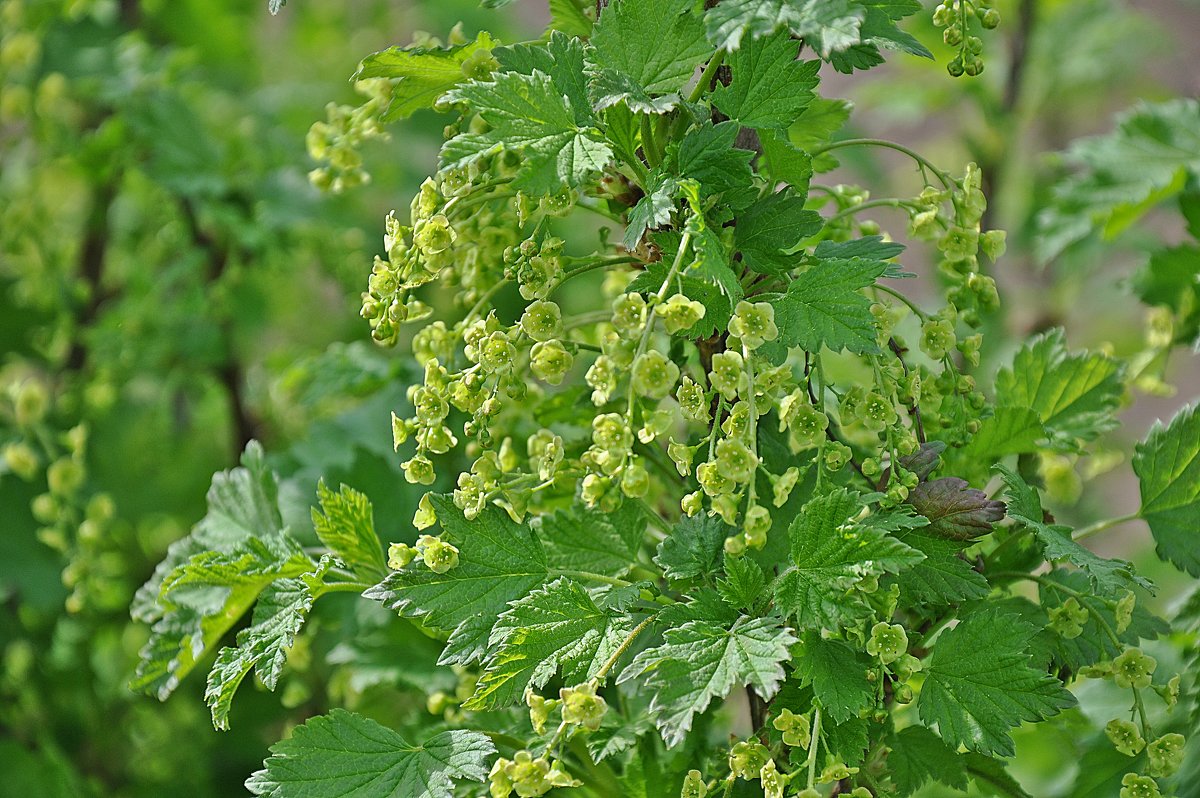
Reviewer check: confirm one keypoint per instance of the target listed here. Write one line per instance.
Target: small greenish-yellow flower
(772, 781)
(1124, 736)
(21, 460)
(728, 374)
(654, 375)
(1135, 786)
(542, 320)
(582, 707)
(1124, 611)
(1166, 755)
(1133, 668)
(747, 758)
(797, 731)
(425, 516)
(434, 235)
(937, 338)
(1068, 619)
(679, 313)
(400, 555)
(692, 401)
(550, 361)
(693, 785)
(753, 323)
(734, 460)
(438, 555)
(782, 485)
(888, 642)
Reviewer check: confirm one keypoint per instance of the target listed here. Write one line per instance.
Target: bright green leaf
(979, 683)
(1167, 464)
(350, 756)
(770, 87)
(824, 306)
(421, 75)
(555, 628)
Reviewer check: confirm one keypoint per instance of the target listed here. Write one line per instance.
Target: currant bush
(702, 466)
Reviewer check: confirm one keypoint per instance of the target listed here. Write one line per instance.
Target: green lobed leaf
(701, 660)
(955, 510)
(499, 561)
(1076, 395)
(1009, 430)
(708, 154)
(838, 675)
(653, 210)
(824, 306)
(645, 52)
(1109, 577)
(770, 87)
(942, 577)
(262, 647)
(243, 502)
(744, 585)
(346, 525)
(784, 162)
(918, 755)
(528, 115)
(557, 627)
(1145, 160)
(979, 683)
(202, 599)
(348, 755)
(830, 554)
(695, 548)
(421, 75)
(586, 539)
(770, 228)
(1171, 279)
(561, 58)
(826, 25)
(1167, 465)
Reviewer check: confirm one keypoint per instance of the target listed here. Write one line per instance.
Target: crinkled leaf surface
(585, 539)
(824, 306)
(702, 660)
(955, 510)
(499, 561)
(1075, 394)
(1108, 576)
(694, 549)
(529, 115)
(979, 683)
(918, 755)
(557, 627)
(770, 87)
(645, 52)
(830, 553)
(771, 227)
(350, 756)
(346, 525)
(838, 675)
(278, 617)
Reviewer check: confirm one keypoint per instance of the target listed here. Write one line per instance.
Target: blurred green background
(171, 286)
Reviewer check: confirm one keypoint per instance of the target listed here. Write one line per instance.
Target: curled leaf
(954, 509)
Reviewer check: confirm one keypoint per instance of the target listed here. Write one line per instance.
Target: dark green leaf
(770, 87)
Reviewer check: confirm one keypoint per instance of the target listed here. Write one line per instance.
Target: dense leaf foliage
(705, 500)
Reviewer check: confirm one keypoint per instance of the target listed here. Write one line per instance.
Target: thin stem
(616, 655)
(1100, 526)
(706, 77)
(594, 577)
(813, 743)
(924, 162)
(652, 317)
(488, 294)
(920, 314)
(888, 202)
